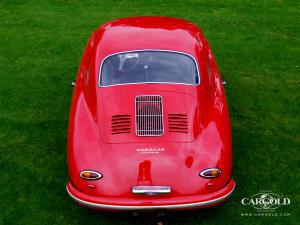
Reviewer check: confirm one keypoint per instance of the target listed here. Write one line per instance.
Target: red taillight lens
(90, 175)
(210, 173)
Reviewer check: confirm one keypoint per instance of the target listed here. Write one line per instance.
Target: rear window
(149, 67)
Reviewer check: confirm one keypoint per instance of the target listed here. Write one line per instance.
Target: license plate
(151, 190)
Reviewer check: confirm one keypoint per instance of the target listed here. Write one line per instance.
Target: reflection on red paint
(144, 173)
(189, 161)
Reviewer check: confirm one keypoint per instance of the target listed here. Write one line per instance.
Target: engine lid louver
(120, 124)
(149, 115)
(178, 123)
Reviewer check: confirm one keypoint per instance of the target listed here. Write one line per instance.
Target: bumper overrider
(172, 203)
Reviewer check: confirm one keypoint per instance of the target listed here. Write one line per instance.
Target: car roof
(148, 32)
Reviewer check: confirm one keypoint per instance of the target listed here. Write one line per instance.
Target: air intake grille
(120, 124)
(149, 115)
(178, 123)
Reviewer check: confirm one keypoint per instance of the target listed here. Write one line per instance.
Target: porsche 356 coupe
(149, 125)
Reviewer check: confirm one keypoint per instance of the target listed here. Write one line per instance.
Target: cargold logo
(266, 201)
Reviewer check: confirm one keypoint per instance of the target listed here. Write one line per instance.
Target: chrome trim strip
(130, 207)
(154, 50)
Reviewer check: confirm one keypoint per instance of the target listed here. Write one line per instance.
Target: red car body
(172, 161)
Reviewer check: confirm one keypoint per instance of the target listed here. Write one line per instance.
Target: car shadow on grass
(157, 217)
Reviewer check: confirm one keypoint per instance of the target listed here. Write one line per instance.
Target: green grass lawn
(257, 47)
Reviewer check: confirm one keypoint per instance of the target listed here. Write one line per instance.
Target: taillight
(90, 175)
(210, 173)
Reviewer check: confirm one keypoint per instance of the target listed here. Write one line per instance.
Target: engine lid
(149, 116)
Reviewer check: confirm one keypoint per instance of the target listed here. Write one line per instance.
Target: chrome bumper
(150, 207)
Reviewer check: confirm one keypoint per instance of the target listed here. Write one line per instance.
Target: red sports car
(149, 125)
